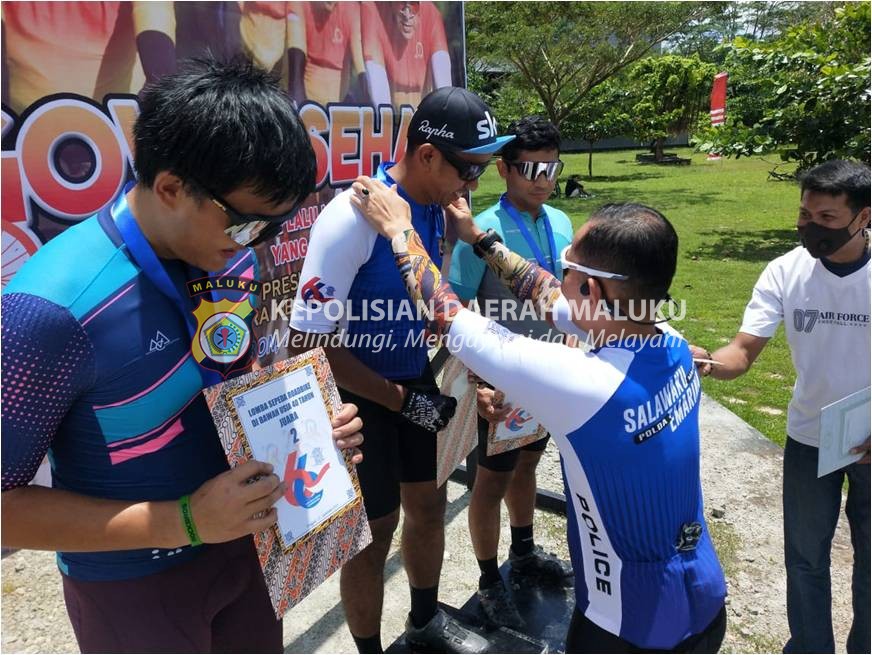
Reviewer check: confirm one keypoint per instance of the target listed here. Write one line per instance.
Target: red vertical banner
(718, 106)
(719, 99)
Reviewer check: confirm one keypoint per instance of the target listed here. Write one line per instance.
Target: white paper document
(287, 425)
(845, 424)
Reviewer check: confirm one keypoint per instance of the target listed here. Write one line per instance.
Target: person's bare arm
(737, 357)
(54, 519)
(223, 508)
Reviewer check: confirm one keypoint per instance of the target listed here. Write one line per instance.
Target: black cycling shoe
(498, 607)
(539, 564)
(445, 634)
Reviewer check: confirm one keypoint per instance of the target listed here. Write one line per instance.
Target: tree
(667, 95)
(805, 94)
(755, 21)
(561, 50)
(601, 115)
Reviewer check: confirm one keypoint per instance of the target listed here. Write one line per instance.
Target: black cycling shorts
(504, 462)
(394, 449)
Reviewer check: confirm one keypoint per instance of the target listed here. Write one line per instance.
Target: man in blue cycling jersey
(382, 365)
(100, 372)
(624, 415)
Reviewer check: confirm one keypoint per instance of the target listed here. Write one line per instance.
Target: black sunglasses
(466, 170)
(251, 229)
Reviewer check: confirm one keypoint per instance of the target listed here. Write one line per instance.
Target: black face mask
(823, 241)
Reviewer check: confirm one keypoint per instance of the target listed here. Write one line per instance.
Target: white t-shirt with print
(826, 319)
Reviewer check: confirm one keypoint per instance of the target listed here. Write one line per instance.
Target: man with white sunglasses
(530, 165)
(625, 415)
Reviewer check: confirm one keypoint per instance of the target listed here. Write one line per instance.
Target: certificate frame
(460, 436)
(835, 440)
(526, 435)
(292, 573)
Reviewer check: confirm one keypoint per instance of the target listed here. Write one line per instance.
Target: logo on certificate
(300, 482)
(223, 336)
(516, 420)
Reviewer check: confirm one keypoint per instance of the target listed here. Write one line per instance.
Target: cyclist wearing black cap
(349, 283)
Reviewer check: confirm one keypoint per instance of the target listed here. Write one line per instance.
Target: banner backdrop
(72, 72)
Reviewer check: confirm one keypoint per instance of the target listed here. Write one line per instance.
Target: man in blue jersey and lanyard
(529, 165)
(107, 348)
(348, 287)
(625, 415)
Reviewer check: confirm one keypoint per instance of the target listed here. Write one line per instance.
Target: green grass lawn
(731, 221)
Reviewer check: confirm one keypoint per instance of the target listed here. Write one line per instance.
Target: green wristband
(188, 521)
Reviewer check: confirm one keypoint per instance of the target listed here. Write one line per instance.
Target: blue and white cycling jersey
(626, 420)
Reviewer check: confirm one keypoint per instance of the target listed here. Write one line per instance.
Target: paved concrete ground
(741, 475)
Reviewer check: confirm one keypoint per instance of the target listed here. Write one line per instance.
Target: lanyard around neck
(506, 204)
(143, 254)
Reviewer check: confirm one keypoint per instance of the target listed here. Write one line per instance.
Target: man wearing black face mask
(821, 290)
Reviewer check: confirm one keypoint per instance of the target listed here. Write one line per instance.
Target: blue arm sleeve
(48, 361)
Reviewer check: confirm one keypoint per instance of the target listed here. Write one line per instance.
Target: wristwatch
(484, 244)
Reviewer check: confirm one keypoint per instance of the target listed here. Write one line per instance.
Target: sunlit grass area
(731, 220)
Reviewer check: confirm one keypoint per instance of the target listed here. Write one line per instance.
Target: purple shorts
(217, 602)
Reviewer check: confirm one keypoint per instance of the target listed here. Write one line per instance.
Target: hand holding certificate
(282, 415)
(845, 425)
(516, 430)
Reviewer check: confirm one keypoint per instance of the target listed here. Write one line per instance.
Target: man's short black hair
(224, 125)
(634, 240)
(837, 177)
(531, 133)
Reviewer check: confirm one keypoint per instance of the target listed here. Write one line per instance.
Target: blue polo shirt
(470, 277)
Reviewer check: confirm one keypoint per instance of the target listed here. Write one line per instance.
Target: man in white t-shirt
(821, 290)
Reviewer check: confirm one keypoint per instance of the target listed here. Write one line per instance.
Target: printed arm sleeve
(527, 280)
(48, 361)
(765, 310)
(340, 242)
(562, 387)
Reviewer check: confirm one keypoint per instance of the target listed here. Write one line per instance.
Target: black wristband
(484, 244)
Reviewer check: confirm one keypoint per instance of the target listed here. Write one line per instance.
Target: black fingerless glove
(431, 411)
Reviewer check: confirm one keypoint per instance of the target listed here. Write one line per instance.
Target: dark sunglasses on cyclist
(467, 171)
(252, 229)
(531, 170)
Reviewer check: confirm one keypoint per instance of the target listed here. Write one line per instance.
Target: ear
(864, 216)
(169, 189)
(596, 289)
(503, 169)
(426, 156)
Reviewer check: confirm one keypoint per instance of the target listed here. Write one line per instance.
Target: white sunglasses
(592, 272)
